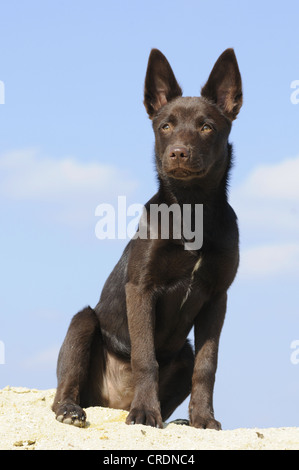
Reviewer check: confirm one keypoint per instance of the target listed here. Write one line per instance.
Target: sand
(27, 423)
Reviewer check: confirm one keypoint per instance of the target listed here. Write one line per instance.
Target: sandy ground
(27, 422)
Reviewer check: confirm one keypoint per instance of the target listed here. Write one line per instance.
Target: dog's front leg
(145, 407)
(207, 329)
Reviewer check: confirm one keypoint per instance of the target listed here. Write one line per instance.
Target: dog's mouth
(184, 173)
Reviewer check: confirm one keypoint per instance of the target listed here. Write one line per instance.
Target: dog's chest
(182, 286)
(191, 281)
(178, 306)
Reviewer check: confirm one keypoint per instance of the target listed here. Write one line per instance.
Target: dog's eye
(166, 127)
(206, 128)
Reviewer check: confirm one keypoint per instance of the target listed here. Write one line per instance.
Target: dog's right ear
(160, 83)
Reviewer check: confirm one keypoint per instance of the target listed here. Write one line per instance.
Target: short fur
(131, 351)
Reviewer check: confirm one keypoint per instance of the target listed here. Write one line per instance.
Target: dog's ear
(224, 85)
(160, 83)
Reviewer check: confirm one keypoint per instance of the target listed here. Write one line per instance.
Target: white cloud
(267, 205)
(268, 261)
(267, 202)
(43, 360)
(28, 175)
(67, 188)
(276, 182)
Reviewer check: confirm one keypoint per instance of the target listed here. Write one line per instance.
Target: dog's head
(191, 133)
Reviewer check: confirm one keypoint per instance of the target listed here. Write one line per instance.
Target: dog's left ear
(160, 85)
(224, 85)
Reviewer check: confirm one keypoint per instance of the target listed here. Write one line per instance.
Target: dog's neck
(180, 192)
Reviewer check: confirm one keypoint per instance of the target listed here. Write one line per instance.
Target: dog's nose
(177, 152)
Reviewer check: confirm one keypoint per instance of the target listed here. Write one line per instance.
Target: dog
(132, 350)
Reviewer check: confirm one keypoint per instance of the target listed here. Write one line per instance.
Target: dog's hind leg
(80, 368)
(175, 381)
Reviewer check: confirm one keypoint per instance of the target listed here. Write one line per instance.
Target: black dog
(131, 351)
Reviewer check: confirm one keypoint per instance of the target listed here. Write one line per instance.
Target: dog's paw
(71, 414)
(204, 421)
(149, 417)
(180, 421)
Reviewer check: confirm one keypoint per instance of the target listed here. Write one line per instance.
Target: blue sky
(74, 134)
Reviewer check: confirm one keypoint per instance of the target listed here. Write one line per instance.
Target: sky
(74, 134)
